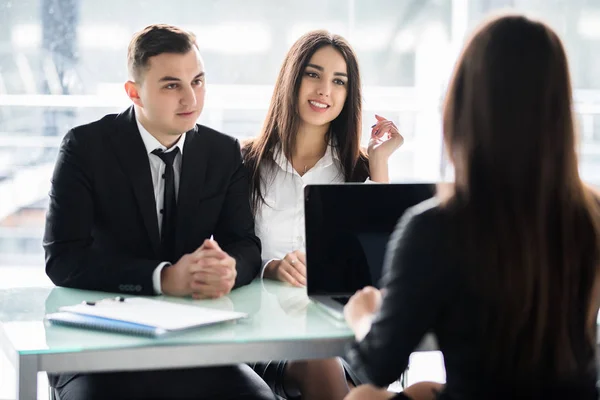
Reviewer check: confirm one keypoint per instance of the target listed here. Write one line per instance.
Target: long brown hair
(531, 225)
(282, 121)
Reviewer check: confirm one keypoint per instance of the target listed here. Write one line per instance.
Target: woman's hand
(385, 140)
(291, 269)
(360, 310)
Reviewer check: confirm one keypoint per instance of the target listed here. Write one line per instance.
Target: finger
(217, 268)
(205, 245)
(375, 129)
(301, 256)
(198, 278)
(202, 290)
(381, 128)
(200, 296)
(386, 127)
(380, 118)
(294, 272)
(227, 264)
(212, 263)
(393, 130)
(300, 268)
(370, 291)
(290, 258)
(211, 291)
(210, 267)
(293, 260)
(206, 296)
(206, 278)
(387, 123)
(212, 244)
(211, 254)
(204, 253)
(286, 277)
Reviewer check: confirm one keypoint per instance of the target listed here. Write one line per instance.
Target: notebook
(139, 316)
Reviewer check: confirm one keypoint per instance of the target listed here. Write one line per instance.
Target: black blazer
(101, 227)
(428, 289)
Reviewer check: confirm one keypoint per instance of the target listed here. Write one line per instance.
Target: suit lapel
(193, 171)
(133, 158)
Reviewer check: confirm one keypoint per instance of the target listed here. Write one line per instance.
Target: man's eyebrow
(168, 78)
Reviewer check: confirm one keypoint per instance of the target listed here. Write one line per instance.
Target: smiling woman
(323, 89)
(312, 134)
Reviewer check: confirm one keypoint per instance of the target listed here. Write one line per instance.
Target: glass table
(283, 324)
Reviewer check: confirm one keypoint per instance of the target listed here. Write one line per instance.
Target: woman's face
(323, 88)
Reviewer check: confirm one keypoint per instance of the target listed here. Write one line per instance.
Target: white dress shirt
(157, 169)
(279, 222)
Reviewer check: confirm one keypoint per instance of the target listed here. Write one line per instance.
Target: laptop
(348, 227)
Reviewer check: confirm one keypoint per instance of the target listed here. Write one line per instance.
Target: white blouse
(280, 220)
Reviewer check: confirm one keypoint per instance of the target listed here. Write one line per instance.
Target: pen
(93, 303)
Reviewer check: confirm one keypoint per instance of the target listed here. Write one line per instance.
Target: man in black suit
(135, 199)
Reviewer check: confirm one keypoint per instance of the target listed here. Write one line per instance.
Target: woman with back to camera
(311, 135)
(502, 269)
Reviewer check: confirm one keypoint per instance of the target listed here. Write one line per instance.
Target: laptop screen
(347, 230)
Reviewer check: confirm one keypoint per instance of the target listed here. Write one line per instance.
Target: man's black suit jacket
(102, 228)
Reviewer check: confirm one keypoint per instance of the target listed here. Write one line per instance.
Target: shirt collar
(328, 158)
(152, 144)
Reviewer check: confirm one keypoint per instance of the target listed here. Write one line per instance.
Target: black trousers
(228, 382)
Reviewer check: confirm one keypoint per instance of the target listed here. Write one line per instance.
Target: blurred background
(63, 63)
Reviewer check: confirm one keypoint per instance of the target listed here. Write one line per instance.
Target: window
(62, 63)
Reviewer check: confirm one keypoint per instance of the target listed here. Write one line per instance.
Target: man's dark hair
(154, 40)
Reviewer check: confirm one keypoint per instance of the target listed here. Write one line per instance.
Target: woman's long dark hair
(531, 225)
(283, 121)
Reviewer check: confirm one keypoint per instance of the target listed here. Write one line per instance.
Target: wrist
(166, 281)
(378, 170)
(271, 268)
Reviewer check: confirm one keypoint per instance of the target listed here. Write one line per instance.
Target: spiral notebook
(139, 316)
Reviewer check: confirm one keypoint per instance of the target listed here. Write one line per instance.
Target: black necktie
(169, 210)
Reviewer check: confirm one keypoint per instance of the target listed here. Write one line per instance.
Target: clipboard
(139, 316)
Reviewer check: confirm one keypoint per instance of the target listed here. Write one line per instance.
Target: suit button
(138, 288)
(121, 287)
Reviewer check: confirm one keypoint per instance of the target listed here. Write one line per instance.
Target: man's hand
(209, 272)
(176, 280)
(214, 273)
(291, 269)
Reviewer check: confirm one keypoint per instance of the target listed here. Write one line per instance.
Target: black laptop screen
(347, 230)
